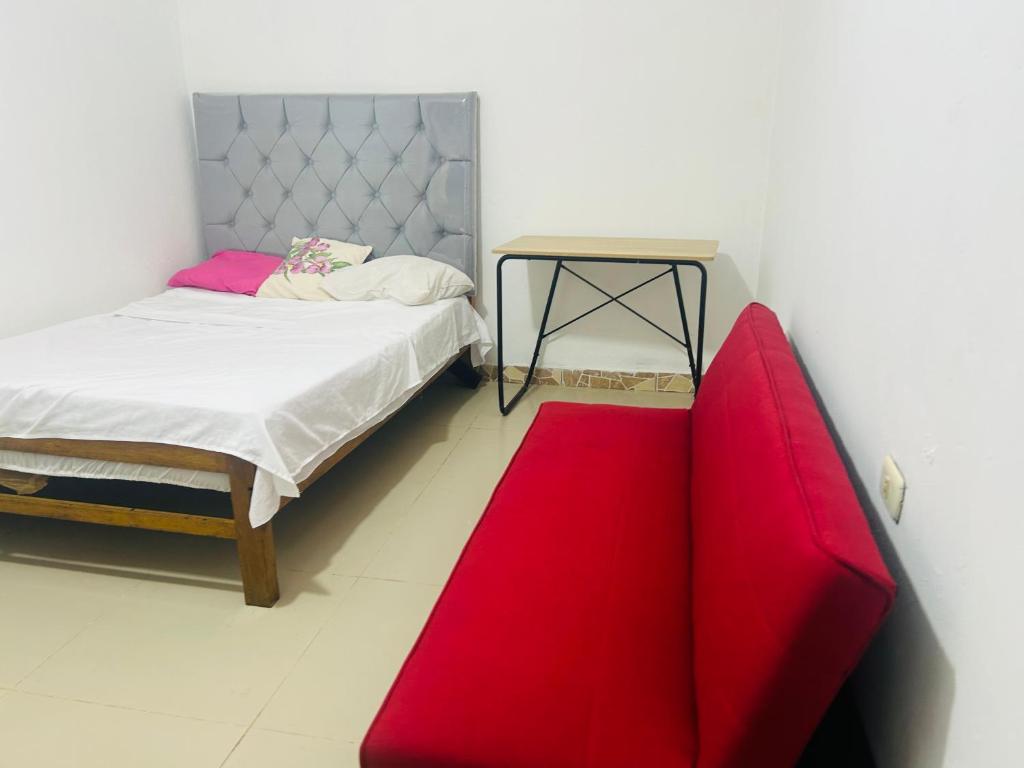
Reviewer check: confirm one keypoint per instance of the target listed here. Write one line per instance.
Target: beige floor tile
(447, 403)
(335, 689)
(479, 459)
(43, 732)
(428, 541)
(489, 416)
(342, 521)
(191, 651)
(45, 607)
(399, 453)
(270, 749)
(341, 529)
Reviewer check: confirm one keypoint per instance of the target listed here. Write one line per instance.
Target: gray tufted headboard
(395, 172)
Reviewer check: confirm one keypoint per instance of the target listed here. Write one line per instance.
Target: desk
(608, 250)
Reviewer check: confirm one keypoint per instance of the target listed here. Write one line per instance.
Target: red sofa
(650, 587)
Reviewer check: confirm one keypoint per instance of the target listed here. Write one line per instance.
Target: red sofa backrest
(788, 584)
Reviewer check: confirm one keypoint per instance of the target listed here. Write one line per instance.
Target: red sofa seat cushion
(563, 635)
(788, 584)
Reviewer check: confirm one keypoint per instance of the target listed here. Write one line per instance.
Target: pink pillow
(229, 271)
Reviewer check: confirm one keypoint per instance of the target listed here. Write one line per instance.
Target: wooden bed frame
(255, 545)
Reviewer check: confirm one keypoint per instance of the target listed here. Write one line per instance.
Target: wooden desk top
(634, 248)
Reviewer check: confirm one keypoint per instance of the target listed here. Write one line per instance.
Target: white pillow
(408, 279)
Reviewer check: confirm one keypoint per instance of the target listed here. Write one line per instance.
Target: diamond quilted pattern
(250, 225)
(332, 222)
(397, 118)
(266, 194)
(420, 160)
(272, 243)
(351, 120)
(330, 160)
(374, 160)
(377, 227)
(399, 195)
(308, 119)
(422, 230)
(309, 194)
(290, 219)
(287, 160)
(244, 161)
(263, 121)
(399, 246)
(394, 172)
(353, 194)
(222, 194)
(452, 182)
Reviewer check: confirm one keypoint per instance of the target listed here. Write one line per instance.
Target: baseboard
(636, 381)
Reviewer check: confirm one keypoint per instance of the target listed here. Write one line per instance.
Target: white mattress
(277, 382)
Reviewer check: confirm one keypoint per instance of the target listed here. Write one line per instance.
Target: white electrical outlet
(893, 488)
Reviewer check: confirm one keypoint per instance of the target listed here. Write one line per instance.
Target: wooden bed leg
(464, 371)
(255, 545)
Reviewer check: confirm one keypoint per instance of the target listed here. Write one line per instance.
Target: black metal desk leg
(502, 405)
(700, 323)
(501, 351)
(686, 325)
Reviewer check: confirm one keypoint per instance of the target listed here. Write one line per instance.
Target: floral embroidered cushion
(320, 256)
(300, 275)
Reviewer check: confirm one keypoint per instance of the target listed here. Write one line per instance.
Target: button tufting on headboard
(392, 171)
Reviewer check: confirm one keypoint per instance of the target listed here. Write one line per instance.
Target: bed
(255, 397)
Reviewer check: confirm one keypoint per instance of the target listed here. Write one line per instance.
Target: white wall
(647, 118)
(892, 251)
(97, 204)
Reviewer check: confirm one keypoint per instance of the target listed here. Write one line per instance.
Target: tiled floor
(131, 648)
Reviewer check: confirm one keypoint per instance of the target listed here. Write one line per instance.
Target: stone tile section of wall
(641, 381)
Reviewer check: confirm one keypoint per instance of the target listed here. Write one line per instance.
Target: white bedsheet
(70, 466)
(277, 382)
